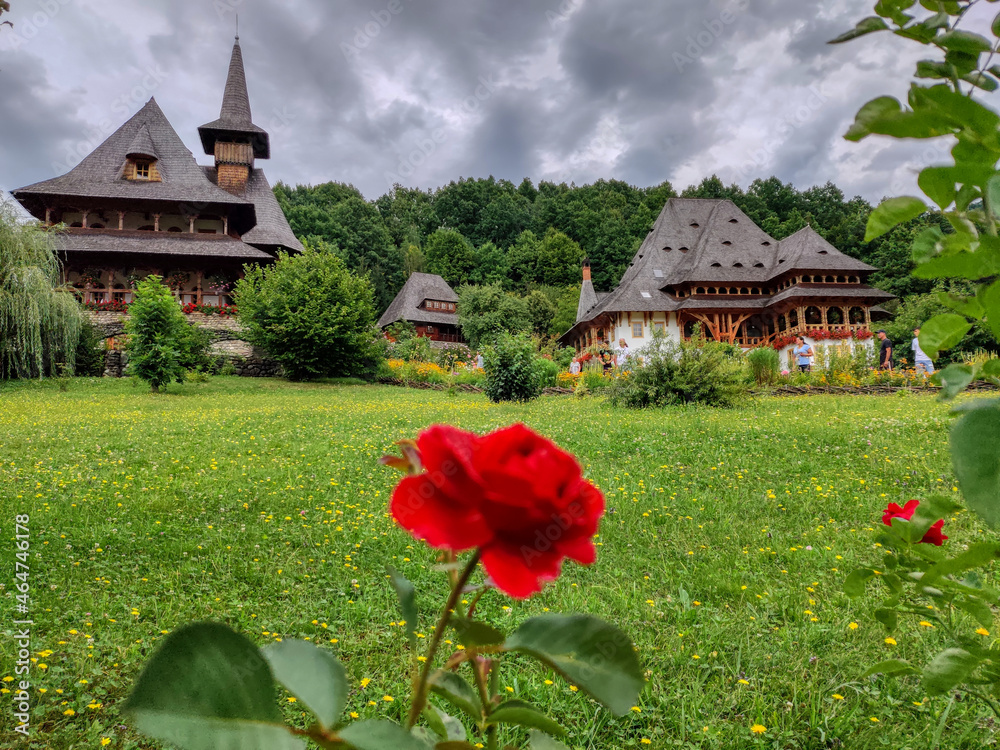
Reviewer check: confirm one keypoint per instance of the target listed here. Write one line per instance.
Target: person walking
(921, 360)
(884, 352)
(803, 353)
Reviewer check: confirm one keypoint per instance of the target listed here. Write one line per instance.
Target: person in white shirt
(623, 353)
(921, 360)
(574, 367)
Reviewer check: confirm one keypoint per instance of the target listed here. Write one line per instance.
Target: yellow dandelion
(69, 712)
(838, 697)
(853, 626)
(890, 641)
(983, 631)
(758, 729)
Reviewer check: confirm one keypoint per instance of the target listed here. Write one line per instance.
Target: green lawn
(262, 504)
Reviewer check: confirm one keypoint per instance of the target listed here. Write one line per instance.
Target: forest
(530, 239)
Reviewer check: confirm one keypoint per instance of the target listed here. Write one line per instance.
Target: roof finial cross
(237, 26)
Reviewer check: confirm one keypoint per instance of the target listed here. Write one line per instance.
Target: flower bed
(223, 311)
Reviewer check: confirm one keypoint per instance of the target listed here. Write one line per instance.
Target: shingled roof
(10, 207)
(272, 228)
(711, 241)
(100, 174)
(235, 118)
(157, 243)
(420, 287)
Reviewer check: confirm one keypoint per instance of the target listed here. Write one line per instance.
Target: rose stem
(420, 696)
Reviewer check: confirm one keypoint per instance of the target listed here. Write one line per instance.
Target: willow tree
(39, 321)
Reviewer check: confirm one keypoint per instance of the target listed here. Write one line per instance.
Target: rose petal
(520, 572)
(423, 509)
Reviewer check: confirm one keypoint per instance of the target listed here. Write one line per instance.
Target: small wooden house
(430, 304)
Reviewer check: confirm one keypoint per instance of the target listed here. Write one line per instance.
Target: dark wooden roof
(157, 243)
(235, 119)
(99, 175)
(272, 229)
(420, 287)
(712, 242)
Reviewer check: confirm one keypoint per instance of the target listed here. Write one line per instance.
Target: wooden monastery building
(705, 263)
(140, 204)
(430, 304)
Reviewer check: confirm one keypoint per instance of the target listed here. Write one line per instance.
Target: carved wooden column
(868, 317)
(48, 217)
(156, 222)
(191, 223)
(225, 225)
(197, 287)
(121, 221)
(823, 317)
(86, 216)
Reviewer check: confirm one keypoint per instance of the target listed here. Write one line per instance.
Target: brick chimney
(586, 269)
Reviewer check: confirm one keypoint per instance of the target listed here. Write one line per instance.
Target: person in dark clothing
(884, 352)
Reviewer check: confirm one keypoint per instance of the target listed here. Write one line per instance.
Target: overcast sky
(423, 92)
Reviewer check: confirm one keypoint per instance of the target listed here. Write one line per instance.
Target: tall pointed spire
(235, 123)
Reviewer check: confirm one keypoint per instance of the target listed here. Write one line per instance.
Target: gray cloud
(367, 91)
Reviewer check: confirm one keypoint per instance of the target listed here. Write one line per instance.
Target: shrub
(512, 371)
(312, 315)
(193, 343)
(89, 352)
(696, 371)
(765, 365)
(155, 330)
(548, 372)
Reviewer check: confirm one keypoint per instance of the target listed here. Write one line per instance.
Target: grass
(261, 504)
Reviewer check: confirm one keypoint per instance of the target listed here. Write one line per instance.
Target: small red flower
(933, 535)
(513, 494)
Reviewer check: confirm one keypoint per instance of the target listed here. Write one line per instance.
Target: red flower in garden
(513, 494)
(933, 535)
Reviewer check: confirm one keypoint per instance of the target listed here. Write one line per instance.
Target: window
(637, 330)
(646, 295)
(142, 170)
(657, 273)
(659, 327)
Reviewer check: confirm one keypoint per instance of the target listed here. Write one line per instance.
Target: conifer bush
(157, 335)
(765, 365)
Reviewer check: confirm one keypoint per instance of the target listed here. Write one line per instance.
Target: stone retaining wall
(227, 345)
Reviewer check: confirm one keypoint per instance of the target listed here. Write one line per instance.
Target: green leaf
(938, 184)
(975, 454)
(991, 368)
(942, 332)
(981, 81)
(874, 111)
(380, 735)
(865, 26)
(472, 633)
(592, 654)
(445, 726)
(208, 687)
(933, 69)
(855, 584)
(893, 9)
(925, 246)
(458, 693)
(964, 41)
(312, 675)
(521, 714)
(970, 307)
(979, 609)
(891, 667)
(888, 617)
(891, 213)
(539, 741)
(977, 556)
(990, 299)
(948, 669)
(954, 379)
(407, 595)
(995, 26)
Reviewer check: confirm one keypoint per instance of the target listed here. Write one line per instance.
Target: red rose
(513, 494)
(933, 535)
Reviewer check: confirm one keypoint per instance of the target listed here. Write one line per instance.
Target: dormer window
(142, 170)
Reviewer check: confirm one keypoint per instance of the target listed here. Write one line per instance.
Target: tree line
(529, 238)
